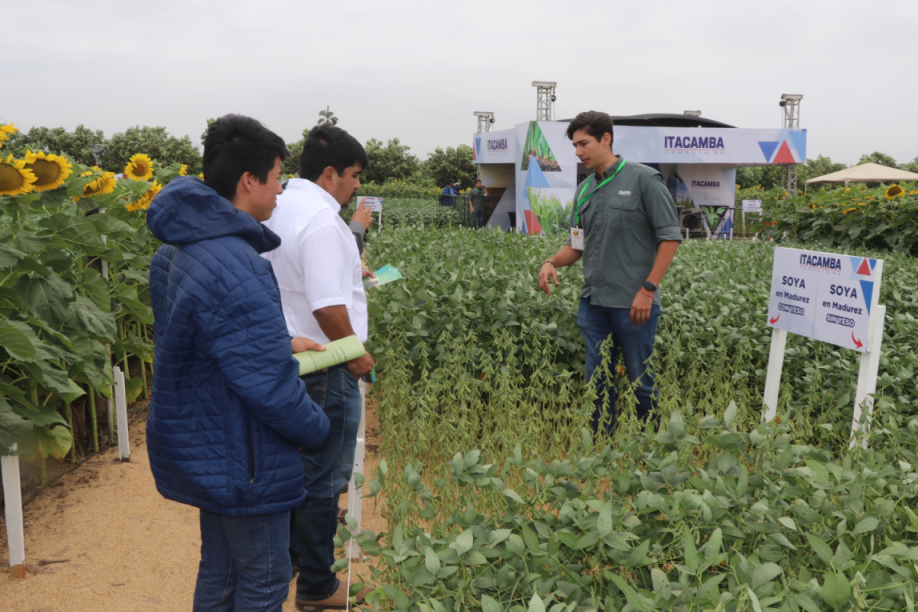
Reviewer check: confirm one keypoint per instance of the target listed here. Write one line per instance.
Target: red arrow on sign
(775, 320)
(857, 342)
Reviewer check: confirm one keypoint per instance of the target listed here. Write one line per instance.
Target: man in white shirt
(319, 273)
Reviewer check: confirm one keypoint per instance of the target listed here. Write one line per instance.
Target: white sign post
(355, 493)
(751, 206)
(124, 443)
(374, 203)
(828, 297)
(12, 502)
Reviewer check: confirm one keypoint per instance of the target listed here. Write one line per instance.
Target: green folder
(335, 352)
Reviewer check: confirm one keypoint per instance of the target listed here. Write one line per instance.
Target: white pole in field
(124, 443)
(867, 376)
(773, 377)
(12, 500)
(355, 493)
(109, 405)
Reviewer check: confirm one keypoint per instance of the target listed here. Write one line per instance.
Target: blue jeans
(245, 564)
(328, 469)
(478, 218)
(636, 344)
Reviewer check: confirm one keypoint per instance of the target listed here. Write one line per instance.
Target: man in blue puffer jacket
(228, 409)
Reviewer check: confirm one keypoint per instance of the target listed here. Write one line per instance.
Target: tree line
(772, 176)
(389, 161)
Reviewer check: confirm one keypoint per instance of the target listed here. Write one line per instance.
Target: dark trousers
(245, 564)
(328, 469)
(636, 344)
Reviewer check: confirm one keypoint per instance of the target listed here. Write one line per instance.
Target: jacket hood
(188, 211)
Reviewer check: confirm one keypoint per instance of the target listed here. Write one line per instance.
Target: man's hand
(545, 272)
(367, 273)
(305, 344)
(363, 216)
(361, 366)
(640, 307)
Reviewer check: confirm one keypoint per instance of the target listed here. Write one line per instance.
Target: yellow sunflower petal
(139, 168)
(15, 178)
(50, 170)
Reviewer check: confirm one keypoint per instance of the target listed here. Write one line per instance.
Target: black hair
(328, 145)
(450, 181)
(236, 144)
(595, 123)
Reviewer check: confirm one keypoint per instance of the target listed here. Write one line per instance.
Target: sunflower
(201, 176)
(183, 171)
(143, 202)
(50, 170)
(847, 210)
(5, 131)
(101, 185)
(139, 168)
(894, 191)
(15, 178)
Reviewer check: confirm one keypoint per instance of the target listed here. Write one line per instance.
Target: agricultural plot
(496, 495)
(498, 499)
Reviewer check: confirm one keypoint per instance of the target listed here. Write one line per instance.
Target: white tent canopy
(867, 173)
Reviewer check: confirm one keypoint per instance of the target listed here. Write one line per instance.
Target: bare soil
(121, 546)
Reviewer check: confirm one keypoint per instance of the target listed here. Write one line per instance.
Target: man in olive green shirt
(477, 204)
(625, 228)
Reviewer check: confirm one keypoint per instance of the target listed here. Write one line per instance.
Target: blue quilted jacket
(228, 409)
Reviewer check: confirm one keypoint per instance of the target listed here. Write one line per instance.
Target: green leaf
(661, 585)
(835, 590)
(765, 573)
(730, 414)
(531, 540)
(806, 602)
(474, 558)
(865, 525)
(535, 604)
(13, 428)
(99, 324)
(691, 552)
(46, 298)
(604, 521)
(498, 535)
(588, 540)
(513, 495)
(464, 541)
(16, 343)
(97, 289)
(54, 442)
(489, 604)
(431, 561)
(676, 425)
(634, 600)
(821, 471)
(638, 555)
(9, 256)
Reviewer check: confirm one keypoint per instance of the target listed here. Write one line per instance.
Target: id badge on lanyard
(577, 235)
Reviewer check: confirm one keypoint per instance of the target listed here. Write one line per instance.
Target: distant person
(449, 193)
(625, 228)
(320, 275)
(360, 222)
(228, 409)
(477, 204)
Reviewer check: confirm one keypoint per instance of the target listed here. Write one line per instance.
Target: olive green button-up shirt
(624, 223)
(478, 199)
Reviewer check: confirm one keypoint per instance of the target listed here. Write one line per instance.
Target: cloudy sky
(416, 70)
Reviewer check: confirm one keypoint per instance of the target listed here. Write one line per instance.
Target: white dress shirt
(317, 264)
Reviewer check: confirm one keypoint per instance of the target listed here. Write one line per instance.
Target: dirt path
(128, 548)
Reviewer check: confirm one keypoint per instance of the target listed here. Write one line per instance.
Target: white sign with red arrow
(832, 298)
(824, 296)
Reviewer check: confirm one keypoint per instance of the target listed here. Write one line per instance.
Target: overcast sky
(416, 70)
